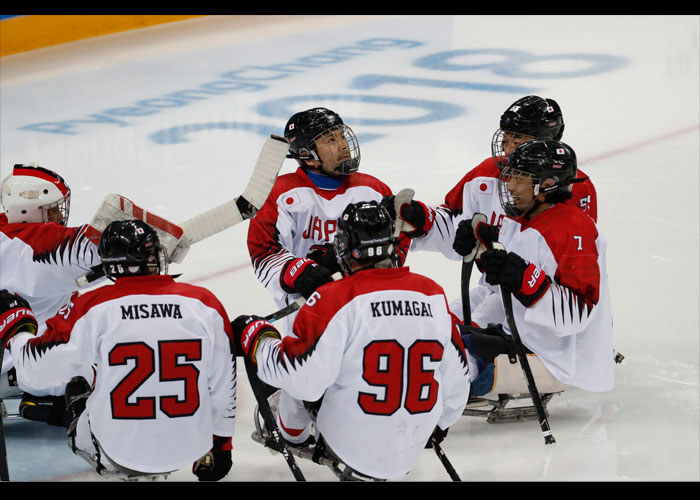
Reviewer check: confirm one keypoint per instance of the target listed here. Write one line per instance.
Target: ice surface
(174, 116)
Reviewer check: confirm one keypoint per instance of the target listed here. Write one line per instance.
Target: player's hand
(437, 437)
(216, 463)
(324, 256)
(248, 330)
(416, 214)
(15, 316)
(466, 237)
(527, 282)
(303, 276)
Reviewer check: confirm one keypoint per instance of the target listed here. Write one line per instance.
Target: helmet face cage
(305, 131)
(35, 194)
(340, 160)
(365, 236)
(131, 248)
(511, 202)
(549, 167)
(503, 144)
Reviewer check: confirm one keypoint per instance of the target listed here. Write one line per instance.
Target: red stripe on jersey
(59, 327)
(312, 319)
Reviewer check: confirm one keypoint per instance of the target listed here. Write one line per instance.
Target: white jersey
(570, 326)
(383, 351)
(40, 262)
(477, 192)
(298, 215)
(166, 371)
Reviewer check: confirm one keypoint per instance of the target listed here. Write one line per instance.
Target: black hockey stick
(258, 388)
(524, 363)
(4, 469)
(445, 462)
(467, 266)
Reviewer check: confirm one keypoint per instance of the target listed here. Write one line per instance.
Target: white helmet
(35, 194)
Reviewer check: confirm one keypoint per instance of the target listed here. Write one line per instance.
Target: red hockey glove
(249, 330)
(216, 463)
(15, 316)
(303, 276)
(466, 238)
(527, 282)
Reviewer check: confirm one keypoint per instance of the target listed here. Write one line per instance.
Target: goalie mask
(131, 248)
(365, 236)
(319, 135)
(537, 167)
(530, 117)
(35, 194)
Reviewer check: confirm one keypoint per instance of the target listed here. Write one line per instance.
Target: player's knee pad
(508, 378)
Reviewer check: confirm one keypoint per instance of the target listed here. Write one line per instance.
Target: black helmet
(543, 160)
(131, 248)
(530, 117)
(304, 128)
(365, 233)
(535, 116)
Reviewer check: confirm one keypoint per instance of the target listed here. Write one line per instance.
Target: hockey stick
(258, 388)
(445, 462)
(178, 238)
(4, 469)
(524, 363)
(467, 266)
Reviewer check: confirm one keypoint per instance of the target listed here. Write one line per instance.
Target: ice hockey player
(379, 347)
(164, 396)
(555, 266)
(41, 259)
(290, 238)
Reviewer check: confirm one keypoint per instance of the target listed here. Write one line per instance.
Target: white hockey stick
(177, 239)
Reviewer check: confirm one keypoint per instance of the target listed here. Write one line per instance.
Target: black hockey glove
(466, 238)
(324, 255)
(303, 276)
(247, 332)
(15, 316)
(216, 463)
(437, 437)
(527, 282)
(417, 214)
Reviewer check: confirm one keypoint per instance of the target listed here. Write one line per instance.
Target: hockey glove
(466, 237)
(437, 437)
(527, 282)
(324, 255)
(216, 463)
(416, 214)
(15, 316)
(249, 330)
(303, 276)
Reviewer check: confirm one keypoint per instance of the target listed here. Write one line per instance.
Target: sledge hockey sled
(510, 387)
(309, 450)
